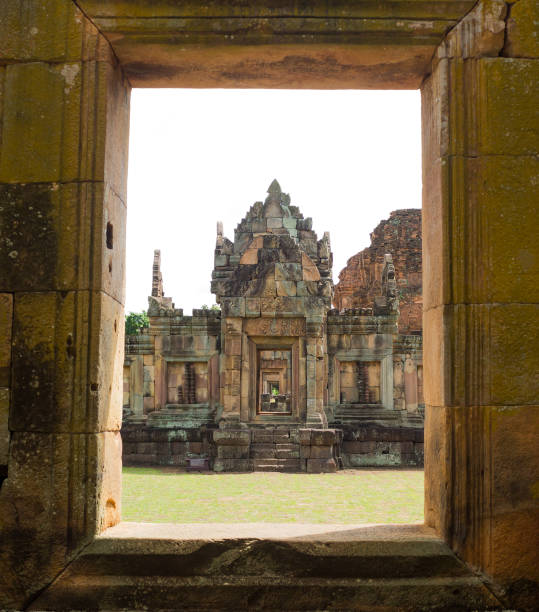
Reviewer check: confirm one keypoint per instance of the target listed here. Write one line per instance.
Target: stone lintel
(377, 44)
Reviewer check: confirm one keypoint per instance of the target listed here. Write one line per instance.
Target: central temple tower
(274, 285)
(255, 384)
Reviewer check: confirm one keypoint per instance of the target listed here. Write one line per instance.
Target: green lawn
(163, 495)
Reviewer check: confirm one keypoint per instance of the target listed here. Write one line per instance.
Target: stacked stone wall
(360, 281)
(171, 446)
(377, 446)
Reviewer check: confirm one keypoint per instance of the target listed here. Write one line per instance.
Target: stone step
(274, 455)
(392, 415)
(274, 418)
(262, 450)
(262, 438)
(287, 446)
(279, 438)
(287, 454)
(283, 462)
(280, 465)
(267, 566)
(275, 445)
(276, 468)
(275, 435)
(274, 451)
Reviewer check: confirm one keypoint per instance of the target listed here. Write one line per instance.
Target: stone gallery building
(277, 379)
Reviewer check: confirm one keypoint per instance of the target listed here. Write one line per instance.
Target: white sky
(347, 159)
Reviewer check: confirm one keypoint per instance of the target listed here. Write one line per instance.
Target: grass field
(164, 495)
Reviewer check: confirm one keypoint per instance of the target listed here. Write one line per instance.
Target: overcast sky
(347, 159)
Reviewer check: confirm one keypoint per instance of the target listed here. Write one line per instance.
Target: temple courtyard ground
(168, 495)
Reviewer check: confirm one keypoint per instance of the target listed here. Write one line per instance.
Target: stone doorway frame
(287, 344)
(65, 74)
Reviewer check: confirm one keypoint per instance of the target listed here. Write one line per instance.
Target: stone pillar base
(232, 465)
(233, 441)
(319, 466)
(318, 450)
(316, 419)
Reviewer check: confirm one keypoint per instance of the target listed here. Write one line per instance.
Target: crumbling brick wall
(360, 281)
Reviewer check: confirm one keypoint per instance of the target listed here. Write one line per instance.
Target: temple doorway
(274, 381)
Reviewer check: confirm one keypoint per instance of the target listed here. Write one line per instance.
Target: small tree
(135, 322)
(214, 307)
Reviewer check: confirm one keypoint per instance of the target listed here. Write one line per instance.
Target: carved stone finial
(274, 189)
(272, 205)
(220, 240)
(389, 283)
(157, 279)
(388, 302)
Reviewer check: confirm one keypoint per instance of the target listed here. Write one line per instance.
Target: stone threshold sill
(174, 532)
(281, 566)
(182, 407)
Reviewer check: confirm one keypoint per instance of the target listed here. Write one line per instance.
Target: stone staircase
(356, 413)
(352, 413)
(399, 568)
(275, 449)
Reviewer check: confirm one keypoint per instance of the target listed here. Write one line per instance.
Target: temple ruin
(360, 282)
(66, 72)
(278, 379)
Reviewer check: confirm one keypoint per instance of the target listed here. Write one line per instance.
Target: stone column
(316, 381)
(232, 336)
(247, 362)
(386, 381)
(317, 450)
(232, 438)
(213, 373)
(136, 385)
(160, 375)
(481, 292)
(410, 384)
(63, 160)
